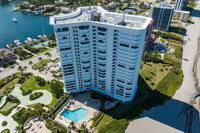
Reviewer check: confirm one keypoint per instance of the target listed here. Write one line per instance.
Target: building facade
(162, 14)
(181, 15)
(100, 50)
(6, 56)
(181, 5)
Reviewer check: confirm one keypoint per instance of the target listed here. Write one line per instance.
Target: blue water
(75, 115)
(28, 25)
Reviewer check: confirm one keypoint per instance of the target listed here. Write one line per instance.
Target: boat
(14, 19)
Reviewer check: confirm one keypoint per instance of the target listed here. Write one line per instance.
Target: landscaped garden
(11, 103)
(41, 63)
(23, 55)
(33, 87)
(34, 83)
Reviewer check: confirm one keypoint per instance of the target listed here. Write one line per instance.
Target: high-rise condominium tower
(162, 14)
(181, 5)
(100, 50)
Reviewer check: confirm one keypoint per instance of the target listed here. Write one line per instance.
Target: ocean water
(28, 25)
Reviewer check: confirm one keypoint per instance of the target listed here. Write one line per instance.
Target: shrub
(6, 131)
(4, 123)
(12, 99)
(35, 95)
(96, 119)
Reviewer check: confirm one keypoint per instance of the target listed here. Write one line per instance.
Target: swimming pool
(75, 115)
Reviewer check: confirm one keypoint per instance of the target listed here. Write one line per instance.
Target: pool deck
(78, 102)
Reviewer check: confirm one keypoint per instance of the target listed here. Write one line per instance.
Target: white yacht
(14, 19)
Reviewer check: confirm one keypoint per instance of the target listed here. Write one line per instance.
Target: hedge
(6, 131)
(35, 95)
(96, 119)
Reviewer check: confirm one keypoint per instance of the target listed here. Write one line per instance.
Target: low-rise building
(181, 15)
(6, 56)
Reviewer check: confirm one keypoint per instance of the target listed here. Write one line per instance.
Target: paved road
(11, 71)
(177, 115)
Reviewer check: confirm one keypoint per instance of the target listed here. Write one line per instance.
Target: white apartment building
(100, 50)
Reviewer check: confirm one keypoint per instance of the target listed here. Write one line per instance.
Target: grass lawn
(169, 82)
(178, 51)
(170, 58)
(31, 84)
(8, 106)
(154, 72)
(9, 85)
(175, 41)
(40, 63)
(117, 119)
(41, 51)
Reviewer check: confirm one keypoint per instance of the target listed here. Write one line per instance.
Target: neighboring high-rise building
(162, 14)
(100, 50)
(181, 5)
(148, 37)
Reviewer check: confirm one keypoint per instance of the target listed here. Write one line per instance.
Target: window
(100, 41)
(58, 30)
(65, 29)
(102, 29)
(134, 47)
(84, 27)
(125, 45)
(64, 37)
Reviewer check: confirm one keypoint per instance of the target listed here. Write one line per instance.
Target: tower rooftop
(97, 14)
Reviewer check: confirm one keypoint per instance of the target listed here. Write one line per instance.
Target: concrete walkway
(178, 114)
(46, 99)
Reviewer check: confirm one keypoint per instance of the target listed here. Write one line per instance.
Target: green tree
(57, 87)
(25, 68)
(40, 59)
(17, 128)
(30, 63)
(49, 55)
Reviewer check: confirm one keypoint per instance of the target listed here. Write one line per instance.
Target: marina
(24, 25)
(29, 40)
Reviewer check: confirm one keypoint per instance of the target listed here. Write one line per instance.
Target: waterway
(28, 25)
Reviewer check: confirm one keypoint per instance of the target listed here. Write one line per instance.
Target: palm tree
(20, 68)
(40, 59)
(49, 55)
(83, 126)
(25, 67)
(30, 63)
(17, 128)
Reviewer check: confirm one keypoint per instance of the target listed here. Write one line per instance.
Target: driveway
(11, 71)
(179, 114)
